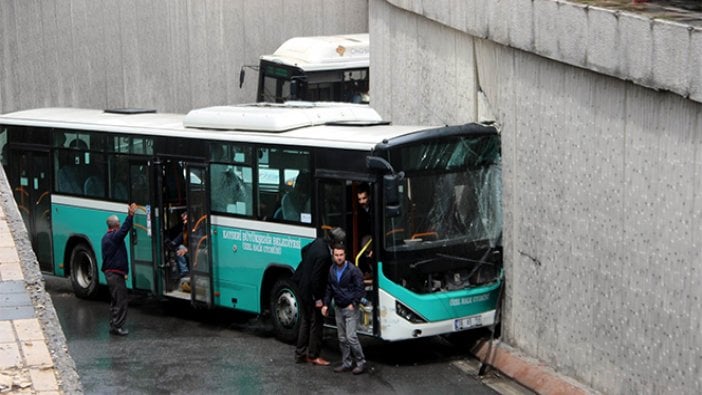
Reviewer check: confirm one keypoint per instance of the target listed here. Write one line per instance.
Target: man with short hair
(311, 280)
(115, 265)
(365, 220)
(345, 286)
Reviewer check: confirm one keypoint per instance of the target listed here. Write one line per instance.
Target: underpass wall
(169, 55)
(602, 193)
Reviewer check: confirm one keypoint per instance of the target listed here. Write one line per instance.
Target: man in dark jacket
(311, 280)
(115, 265)
(345, 286)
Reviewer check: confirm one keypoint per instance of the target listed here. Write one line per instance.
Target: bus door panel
(31, 187)
(338, 207)
(142, 236)
(199, 230)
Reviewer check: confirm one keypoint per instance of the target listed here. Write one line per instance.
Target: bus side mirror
(379, 164)
(391, 191)
(242, 73)
(391, 184)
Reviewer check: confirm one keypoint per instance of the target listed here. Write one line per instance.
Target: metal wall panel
(163, 54)
(602, 194)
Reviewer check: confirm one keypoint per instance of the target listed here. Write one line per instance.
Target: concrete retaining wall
(602, 185)
(163, 54)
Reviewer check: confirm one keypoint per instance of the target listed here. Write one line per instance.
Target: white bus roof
(355, 133)
(348, 51)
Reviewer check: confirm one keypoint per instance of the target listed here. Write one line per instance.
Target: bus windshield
(281, 83)
(450, 195)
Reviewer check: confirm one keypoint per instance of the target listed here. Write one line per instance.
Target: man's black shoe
(358, 369)
(342, 369)
(119, 331)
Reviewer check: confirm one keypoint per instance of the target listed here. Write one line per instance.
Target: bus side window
(231, 189)
(94, 185)
(295, 205)
(70, 175)
(118, 170)
(284, 185)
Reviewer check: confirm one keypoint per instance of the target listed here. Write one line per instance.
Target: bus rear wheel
(84, 273)
(285, 312)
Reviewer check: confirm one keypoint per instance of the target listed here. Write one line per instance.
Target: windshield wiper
(422, 262)
(480, 263)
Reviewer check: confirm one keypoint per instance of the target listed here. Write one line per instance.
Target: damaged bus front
(440, 265)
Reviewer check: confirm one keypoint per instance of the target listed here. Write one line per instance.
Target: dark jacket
(114, 250)
(311, 274)
(177, 235)
(348, 290)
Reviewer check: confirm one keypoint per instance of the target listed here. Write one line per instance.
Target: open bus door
(339, 206)
(143, 237)
(199, 230)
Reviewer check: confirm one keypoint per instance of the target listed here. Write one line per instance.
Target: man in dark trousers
(311, 279)
(345, 286)
(115, 265)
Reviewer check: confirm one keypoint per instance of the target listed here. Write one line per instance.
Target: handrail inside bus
(423, 234)
(197, 250)
(199, 221)
(42, 196)
(363, 250)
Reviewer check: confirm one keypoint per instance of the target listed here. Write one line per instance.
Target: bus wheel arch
(283, 304)
(83, 270)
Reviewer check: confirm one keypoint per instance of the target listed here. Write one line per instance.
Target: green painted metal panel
(443, 305)
(241, 258)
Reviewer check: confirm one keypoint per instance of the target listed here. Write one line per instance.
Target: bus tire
(84, 273)
(285, 310)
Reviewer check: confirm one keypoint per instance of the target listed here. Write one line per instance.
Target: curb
(528, 372)
(63, 365)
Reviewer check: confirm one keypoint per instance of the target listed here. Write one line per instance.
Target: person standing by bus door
(365, 220)
(115, 265)
(345, 286)
(178, 245)
(311, 280)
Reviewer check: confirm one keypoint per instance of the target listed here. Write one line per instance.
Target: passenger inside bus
(71, 174)
(359, 92)
(296, 203)
(363, 209)
(178, 236)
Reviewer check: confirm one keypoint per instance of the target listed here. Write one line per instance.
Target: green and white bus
(317, 68)
(436, 205)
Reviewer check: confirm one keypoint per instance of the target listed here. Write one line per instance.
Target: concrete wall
(602, 189)
(172, 55)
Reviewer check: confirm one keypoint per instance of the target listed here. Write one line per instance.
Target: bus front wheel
(84, 274)
(285, 312)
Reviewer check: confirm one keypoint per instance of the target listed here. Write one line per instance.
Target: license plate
(467, 323)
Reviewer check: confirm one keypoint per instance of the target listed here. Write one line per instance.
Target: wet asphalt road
(173, 348)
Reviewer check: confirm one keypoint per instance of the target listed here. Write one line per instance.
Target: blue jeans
(346, 325)
(182, 261)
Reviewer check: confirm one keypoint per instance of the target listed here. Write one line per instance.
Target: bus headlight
(404, 312)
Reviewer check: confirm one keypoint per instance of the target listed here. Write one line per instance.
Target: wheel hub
(286, 309)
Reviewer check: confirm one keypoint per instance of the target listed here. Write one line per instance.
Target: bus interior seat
(94, 186)
(70, 180)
